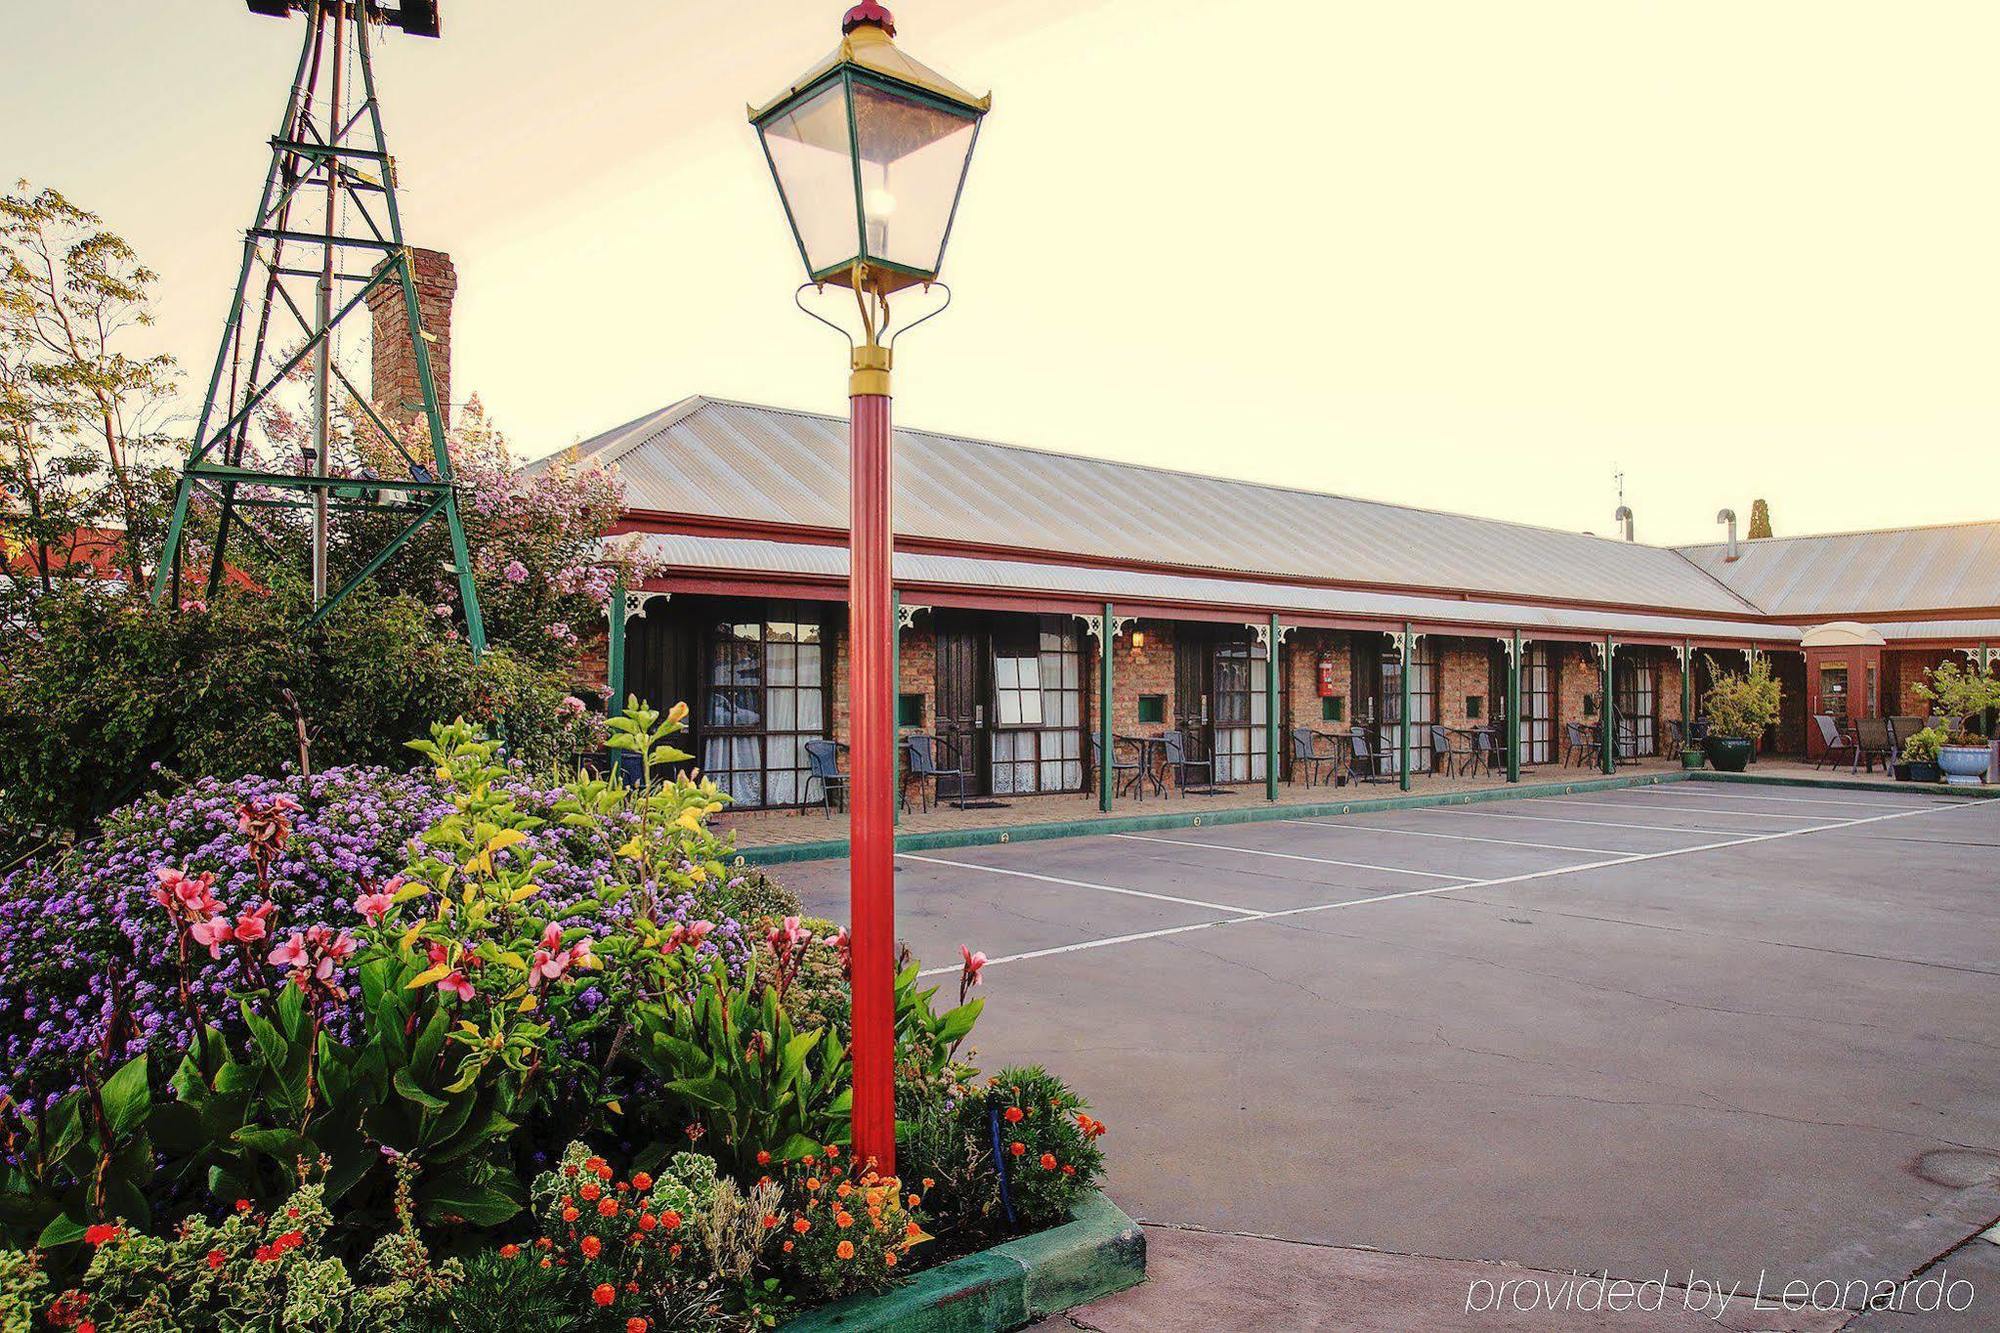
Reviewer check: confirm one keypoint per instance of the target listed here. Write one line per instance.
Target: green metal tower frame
(323, 148)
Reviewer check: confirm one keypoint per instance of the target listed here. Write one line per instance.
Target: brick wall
(1141, 670)
(393, 377)
(842, 699)
(1464, 671)
(1304, 650)
(917, 670)
(1577, 673)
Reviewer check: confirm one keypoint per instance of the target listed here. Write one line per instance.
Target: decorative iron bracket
(1094, 626)
(1404, 644)
(635, 604)
(906, 616)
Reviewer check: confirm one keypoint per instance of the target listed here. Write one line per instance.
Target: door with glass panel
(1423, 706)
(1636, 695)
(1538, 711)
(763, 698)
(1037, 732)
(1241, 691)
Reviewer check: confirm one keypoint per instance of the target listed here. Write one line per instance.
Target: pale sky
(1467, 254)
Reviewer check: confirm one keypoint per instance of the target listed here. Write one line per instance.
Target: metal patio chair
(1364, 761)
(1306, 756)
(1486, 749)
(924, 767)
(823, 767)
(1173, 745)
(1871, 742)
(1837, 746)
(1118, 766)
(1454, 747)
(1577, 749)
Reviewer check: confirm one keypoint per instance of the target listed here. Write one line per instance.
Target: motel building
(1232, 633)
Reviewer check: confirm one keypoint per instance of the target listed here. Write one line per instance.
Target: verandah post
(1105, 637)
(1687, 693)
(1514, 710)
(1403, 738)
(1271, 715)
(614, 668)
(1607, 711)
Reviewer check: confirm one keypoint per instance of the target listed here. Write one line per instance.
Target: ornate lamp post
(869, 150)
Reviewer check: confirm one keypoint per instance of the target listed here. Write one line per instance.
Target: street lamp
(869, 150)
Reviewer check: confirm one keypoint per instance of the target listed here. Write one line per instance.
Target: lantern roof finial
(870, 14)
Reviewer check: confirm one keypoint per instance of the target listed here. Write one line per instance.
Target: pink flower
(441, 611)
(191, 895)
(292, 953)
(843, 944)
(436, 954)
(572, 706)
(214, 933)
(691, 935)
(516, 572)
(254, 924)
(972, 964)
(374, 906)
(456, 984)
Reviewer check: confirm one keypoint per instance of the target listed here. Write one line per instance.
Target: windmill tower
(326, 240)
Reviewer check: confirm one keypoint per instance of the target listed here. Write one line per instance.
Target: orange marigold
(888, 1258)
(1048, 1161)
(591, 1247)
(605, 1293)
(671, 1220)
(845, 1249)
(843, 1219)
(1017, 1147)
(607, 1207)
(800, 1225)
(642, 1181)
(569, 1214)
(510, 1251)
(1013, 1115)
(590, 1191)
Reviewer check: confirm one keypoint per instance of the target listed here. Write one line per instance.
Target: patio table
(1147, 747)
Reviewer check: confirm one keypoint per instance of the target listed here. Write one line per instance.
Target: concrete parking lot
(1700, 1033)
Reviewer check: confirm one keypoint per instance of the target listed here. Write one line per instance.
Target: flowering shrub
(1046, 1144)
(844, 1231)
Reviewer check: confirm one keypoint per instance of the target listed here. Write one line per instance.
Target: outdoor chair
(1119, 767)
(1902, 728)
(1173, 745)
(1871, 742)
(1453, 748)
(1308, 759)
(1836, 745)
(823, 767)
(1485, 749)
(923, 767)
(1677, 733)
(1577, 749)
(1364, 759)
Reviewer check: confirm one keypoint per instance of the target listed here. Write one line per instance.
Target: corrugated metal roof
(1982, 630)
(1862, 573)
(762, 464)
(914, 571)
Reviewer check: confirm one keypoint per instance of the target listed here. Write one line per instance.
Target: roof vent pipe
(1729, 516)
(1622, 516)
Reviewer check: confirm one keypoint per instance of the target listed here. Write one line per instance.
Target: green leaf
(285, 1145)
(126, 1098)
(270, 1045)
(63, 1229)
(407, 1086)
(484, 1204)
(705, 1091)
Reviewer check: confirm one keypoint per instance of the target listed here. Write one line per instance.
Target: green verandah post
(1106, 633)
(614, 668)
(1606, 712)
(1687, 694)
(1514, 710)
(1271, 716)
(1403, 727)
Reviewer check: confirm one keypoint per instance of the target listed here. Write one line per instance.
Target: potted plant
(1920, 757)
(1962, 697)
(1739, 707)
(1693, 756)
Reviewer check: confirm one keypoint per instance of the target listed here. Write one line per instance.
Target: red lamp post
(870, 151)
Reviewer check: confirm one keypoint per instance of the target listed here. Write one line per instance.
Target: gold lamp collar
(871, 365)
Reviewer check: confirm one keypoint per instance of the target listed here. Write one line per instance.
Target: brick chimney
(393, 375)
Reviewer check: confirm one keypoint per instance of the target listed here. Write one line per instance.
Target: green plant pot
(1918, 772)
(1729, 754)
(1692, 758)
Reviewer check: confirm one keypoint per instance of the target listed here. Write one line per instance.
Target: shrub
(1046, 1144)
(844, 1230)
(1962, 696)
(1741, 706)
(1923, 746)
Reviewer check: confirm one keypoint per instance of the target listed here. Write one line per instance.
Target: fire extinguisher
(1326, 685)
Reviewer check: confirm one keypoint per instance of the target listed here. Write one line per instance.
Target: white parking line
(1456, 837)
(1286, 856)
(1691, 809)
(1254, 918)
(1079, 884)
(1707, 795)
(1555, 819)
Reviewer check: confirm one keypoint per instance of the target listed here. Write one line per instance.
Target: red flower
(605, 1294)
(216, 1258)
(1048, 1161)
(763, 1158)
(242, 1205)
(635, 1325)
(845, 1249)
(1017, 1147)
(642, 1181)
(591, 1247)
(590, 1191)
(671, 1220)
(770, 1221)
(607, 1207)
(510, 1251)
(101, 1234)
(265, 1254)
(647, 1221)
(1068, 1170)
(800, 1225)
(1013, 1115)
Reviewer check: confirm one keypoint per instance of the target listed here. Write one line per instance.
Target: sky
(1465, 254)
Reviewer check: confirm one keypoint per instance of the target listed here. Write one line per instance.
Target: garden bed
(474, 1047)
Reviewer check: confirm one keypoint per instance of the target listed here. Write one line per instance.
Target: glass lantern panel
(914, 155)
(811, 152)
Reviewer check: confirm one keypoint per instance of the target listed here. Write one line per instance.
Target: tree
(1760, 519)
(77, 404)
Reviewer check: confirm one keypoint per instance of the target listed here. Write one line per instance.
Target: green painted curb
(780, 853)
(1835, 784)
(1097, 1252)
